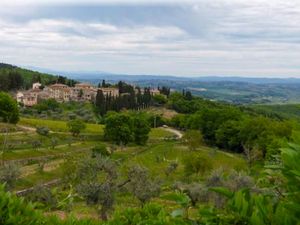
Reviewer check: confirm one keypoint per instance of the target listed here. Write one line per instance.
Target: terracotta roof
(83, 85)
(58, 86)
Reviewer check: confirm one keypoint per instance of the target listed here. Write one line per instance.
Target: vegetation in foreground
(122, 172)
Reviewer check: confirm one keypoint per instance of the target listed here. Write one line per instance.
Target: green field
(58, 126)
(155, 156)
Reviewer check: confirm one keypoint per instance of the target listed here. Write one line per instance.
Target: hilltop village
(63, 93)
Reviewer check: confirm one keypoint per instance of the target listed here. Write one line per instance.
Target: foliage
(9, 112)
(123, 128)
(44, 196)
(129, 97)
(193, 139)
(160, 99)
(229, 127)
(196, 164)
(36, 144)
(14, 78)
(118, 128)
(100, 149)
(76, 127)
(141, 185)
(150, 214)
(54, 142)
(44, 131)
(9, 173)
(141, 129)
(96, 183)
(47, 104)
(171, 168)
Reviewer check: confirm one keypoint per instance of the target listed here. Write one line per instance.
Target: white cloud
(227, 37)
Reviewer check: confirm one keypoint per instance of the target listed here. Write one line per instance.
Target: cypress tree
(100, 103)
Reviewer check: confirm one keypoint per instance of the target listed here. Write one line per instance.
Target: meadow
(46, 163)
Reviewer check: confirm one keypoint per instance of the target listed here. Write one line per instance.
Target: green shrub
(197, 164)
(44, 131)
(100, 149)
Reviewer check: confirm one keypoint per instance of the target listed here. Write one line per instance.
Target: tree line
(229, 127)
(13, 78)
(129, 97)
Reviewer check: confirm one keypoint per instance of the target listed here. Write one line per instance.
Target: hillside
(170, 163)
(13, 77)
(285, 111)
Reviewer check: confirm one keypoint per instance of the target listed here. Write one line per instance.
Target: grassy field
(58, 126)
(155, 156)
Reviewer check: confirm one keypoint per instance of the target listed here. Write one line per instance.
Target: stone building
(62, 93)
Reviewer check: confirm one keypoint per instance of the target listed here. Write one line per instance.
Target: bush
(9, 173)
(43, 196)
(76, 126)
(9, 112)
(193, 139)
(197, 164)
(44, 131)
(100, 149)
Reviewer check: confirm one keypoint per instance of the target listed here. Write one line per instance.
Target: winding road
(174, 131)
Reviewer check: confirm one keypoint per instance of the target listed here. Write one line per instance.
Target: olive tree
(9, 173)
(141, 185)
(44, 131)
(76, 127)
(96, 183)
(193, 139)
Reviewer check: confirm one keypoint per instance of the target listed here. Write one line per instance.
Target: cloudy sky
(184, 38)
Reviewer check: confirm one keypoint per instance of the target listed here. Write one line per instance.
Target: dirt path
(32, 129)
(174, 131)
(49, 166)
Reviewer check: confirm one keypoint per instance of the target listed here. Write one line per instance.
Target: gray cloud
(219, 37)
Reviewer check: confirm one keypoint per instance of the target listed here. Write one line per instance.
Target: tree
(160, 99)
(141, 129)
(9, 173)
(171, 168)
(61, 80)
(100, 102)
(100, 149)
(188, 96)
(96, 183)
(103, 83)
(193, 139)
(9, 112)
(36, 144)
(119, 128)
(44, 131)
(228, 136)
(15, 80)
(165, 91)
(197, 164)
(80, 94)
(47, 104)
(141, 185)
(54, 142)
(76, 127)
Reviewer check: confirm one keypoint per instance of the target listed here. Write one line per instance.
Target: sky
(257, 38)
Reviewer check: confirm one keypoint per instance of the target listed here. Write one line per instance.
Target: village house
(62, 93)
(114, 92)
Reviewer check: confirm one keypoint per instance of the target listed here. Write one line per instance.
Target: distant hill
(13, 77)
(236, 90)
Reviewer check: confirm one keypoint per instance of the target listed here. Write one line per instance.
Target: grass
(47, 152)
(59, 126)
(156, 156)
(4, 127)
(159, 133)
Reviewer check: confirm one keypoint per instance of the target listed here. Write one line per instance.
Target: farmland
(155, 156)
